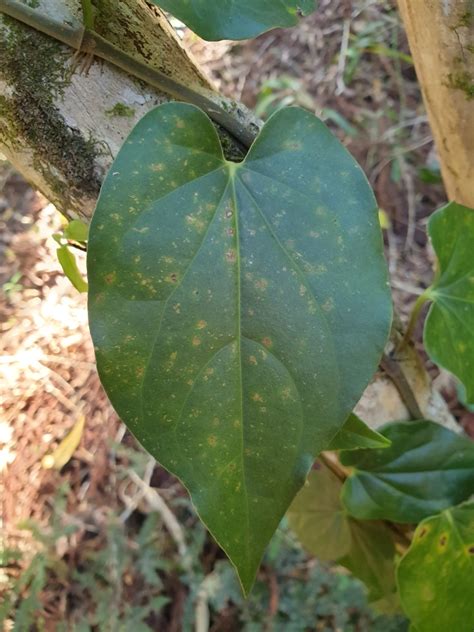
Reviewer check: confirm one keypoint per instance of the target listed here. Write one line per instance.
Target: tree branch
(232, 116)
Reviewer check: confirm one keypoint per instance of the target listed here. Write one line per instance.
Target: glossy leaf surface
(228, 306)
(323, 527)
(449, 327)
(355, 435)
(236, 19)
(426, 469)
(436, 575)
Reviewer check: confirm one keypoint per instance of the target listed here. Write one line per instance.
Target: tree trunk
(441, 37)
(61, 129)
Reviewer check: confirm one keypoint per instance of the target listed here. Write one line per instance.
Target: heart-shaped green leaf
(318, 518)
(449, 327)
(236, 19)
(371, 559)
(436, 575)
(321, 524)
(228, 306)
(355, 435)
(426, 469)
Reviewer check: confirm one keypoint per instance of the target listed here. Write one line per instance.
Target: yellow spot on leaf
(201, 324)
(157, 167)
(328, 305)
(196, 341)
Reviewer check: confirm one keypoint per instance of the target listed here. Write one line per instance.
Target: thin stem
(420, 301)
(395, 372)
(332, 464)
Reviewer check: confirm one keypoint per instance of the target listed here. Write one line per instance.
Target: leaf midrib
(232, 173)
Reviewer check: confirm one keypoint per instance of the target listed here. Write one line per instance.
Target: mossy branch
(232, 116)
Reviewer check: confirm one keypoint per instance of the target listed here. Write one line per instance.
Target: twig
(202, 610)
(411, 202)
(157, 504)
(420, 301)
(395, 372)
(341, 66)
(333, 464)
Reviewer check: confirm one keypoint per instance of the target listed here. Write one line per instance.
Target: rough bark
(441, 37)
(61, 129)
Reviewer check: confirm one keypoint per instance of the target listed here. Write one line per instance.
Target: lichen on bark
(35, 70)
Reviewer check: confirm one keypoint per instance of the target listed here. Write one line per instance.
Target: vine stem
(420, 301)
(331, 462)
(232, 116)
(395, 372)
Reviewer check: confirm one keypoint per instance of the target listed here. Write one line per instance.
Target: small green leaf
(436, 575)
(318, 518)
(236, 19)
(68, 264)
(449, 326)
(228, 306)
(366, 548)
(426, 469)
(76, 230)
(371, 559)
(355, 434)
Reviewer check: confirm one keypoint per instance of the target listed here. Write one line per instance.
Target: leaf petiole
(420, 301)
